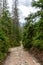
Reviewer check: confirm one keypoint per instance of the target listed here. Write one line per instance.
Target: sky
(24, 9)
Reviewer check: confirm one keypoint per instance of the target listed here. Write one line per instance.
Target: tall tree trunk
(15, 18)
(1, 6)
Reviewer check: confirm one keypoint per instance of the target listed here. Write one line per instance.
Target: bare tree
(4, 5)
(15, 18)
(15, 12)
(1, 6)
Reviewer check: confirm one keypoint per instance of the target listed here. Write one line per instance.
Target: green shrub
(4, 45)
(38, 44)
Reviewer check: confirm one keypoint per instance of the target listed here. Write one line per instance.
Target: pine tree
(36, 28)
(39, 33)
(6, 28)
(16, 20)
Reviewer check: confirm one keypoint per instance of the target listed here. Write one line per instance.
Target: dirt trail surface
(20, 57)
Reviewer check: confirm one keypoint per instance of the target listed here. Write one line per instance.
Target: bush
(4, 45)
(38, 44)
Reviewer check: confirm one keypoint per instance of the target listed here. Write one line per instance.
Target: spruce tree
(36, 27)
(6, 31)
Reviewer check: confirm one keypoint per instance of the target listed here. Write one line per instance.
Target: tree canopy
(33, 30)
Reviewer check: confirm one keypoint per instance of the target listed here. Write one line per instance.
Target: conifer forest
(28, 35)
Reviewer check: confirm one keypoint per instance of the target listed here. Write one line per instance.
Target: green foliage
(7, 33)
(27, 36)
(7, 38)
(38, 44)
(33, 35)
(38, 3)
(33, 31)
(4, 41)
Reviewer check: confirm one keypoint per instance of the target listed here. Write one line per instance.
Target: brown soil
(20, 57)
(37, 54)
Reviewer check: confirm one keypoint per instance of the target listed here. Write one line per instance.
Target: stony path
(20, 57)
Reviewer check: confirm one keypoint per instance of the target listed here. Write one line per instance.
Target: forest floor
(18, 56)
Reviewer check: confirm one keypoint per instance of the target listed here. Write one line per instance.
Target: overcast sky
(24, 7)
